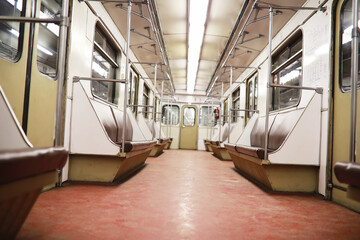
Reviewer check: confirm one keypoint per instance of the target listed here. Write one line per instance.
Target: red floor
(185, 195)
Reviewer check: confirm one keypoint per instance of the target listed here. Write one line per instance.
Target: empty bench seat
(23, 174)
(24, 171)
(217, 146)
(248, 154)
(96, 141)
(162, 141)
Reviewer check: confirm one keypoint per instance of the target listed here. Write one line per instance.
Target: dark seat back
(280, 126)
(112, 120)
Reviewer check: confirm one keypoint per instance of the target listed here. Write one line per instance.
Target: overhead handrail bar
(320, 8)
(57, 20)
(263, 18)
(219, 66)
(318, 90)
(77, 79)
(354, 80)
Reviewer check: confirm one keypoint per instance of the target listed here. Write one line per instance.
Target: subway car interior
(179, 119)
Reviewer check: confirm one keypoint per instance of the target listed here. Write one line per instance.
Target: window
(251, 96)
(287, 70)
(235, 104)
(207, 117)
(189, 117)
(170, 114)
(225, 111)
(133, 86)
(11, 33)
(47, 46)
(104, 66)
(146, 96)
(346, 29)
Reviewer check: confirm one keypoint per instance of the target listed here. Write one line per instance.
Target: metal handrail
(243, 110)
(318, 90)
(77, 79)
(136, 105)
(56, 20)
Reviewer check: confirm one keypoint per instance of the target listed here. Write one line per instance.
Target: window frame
(133, 101)
(146, 96)
(112, 62)
(291, 42)
(20, 38)
(211, 123)
(163, 114)
(235, 99)
(254, 79)
(183, 120)
(341, 86)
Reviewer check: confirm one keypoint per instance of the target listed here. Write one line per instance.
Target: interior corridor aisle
(185, 195)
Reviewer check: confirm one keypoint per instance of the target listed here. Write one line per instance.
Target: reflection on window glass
(251, 96)
(207, 117)
(146, 96)
(132, 91)
(47, 45)
(291, 75)
(11, 32)
(287, 71)
(225, 111)
(103, 66)
(189, 117)
(235, 104)
(170, 114)
(346, 29)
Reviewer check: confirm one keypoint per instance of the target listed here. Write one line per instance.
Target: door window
(189, 117)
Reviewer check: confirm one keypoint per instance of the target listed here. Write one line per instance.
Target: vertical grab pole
(268, 85)
(127, 75)
(221, 109)
(61, 70)
(230, 102)
(154, 100)
(168, 119)
(207, 123)
(354, 78)
(161, 99)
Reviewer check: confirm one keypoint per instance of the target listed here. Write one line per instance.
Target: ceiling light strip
(197, 19)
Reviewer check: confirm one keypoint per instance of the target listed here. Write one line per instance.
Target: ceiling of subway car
(228, 39)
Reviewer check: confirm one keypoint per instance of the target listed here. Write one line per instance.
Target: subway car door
(29, 79)
(189, 127)
(341, 101)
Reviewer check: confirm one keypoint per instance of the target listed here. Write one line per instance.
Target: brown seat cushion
(135, 146)
(348, 173)
(15, 165)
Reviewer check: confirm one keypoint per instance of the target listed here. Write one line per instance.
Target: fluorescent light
(197, 20)
(44, 50)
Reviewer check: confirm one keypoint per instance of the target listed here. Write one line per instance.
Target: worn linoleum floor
(185, 194)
